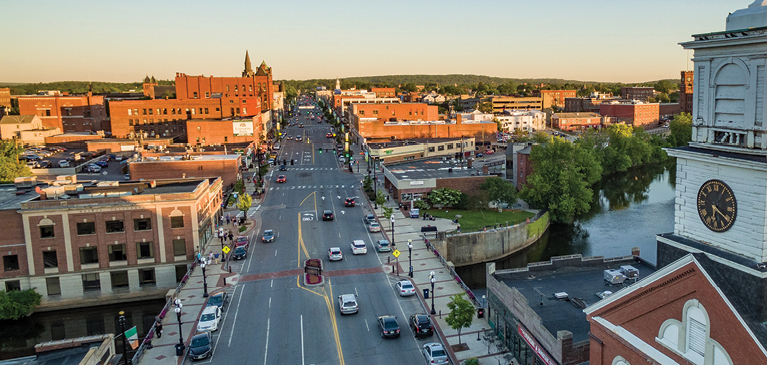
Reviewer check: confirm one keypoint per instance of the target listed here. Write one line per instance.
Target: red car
(329, 135)
(281, 179)
(241, 241)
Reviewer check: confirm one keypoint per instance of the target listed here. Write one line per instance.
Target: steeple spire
(248, 68)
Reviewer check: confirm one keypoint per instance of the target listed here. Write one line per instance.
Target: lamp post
(125, 342)
(432, 293)
(392, 231)
(204, 280)
(410, 256)
(178, 318)
(375, 186)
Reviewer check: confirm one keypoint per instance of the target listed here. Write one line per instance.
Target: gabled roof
(17, 119)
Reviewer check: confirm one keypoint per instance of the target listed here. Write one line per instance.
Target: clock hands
(715, 210)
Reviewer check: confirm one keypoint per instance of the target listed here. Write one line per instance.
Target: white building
(526, 120)
(433, 98)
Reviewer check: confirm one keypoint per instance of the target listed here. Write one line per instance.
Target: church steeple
(248, 68)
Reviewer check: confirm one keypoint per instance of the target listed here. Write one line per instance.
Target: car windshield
(383, 243)
(239, 250)
(216, 299)
(335, 252)
(328, 212)
(207, 317)
(374, 224)
(202, 341)
(437, 352)
(390, 323)
(269, 232)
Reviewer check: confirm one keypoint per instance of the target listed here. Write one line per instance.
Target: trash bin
(426, 293)
(481, 313)
(179, 349)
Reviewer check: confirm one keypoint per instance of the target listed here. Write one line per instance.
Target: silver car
(347, 304)
(374, 227)
(383, 246)
(335, 254)
(435, 353)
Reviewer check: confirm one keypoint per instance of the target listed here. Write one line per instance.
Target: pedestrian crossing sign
(226, 249)
(396, 253)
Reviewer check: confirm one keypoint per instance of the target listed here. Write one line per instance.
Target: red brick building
(554, 98)
(636, 114)
(523, 167)
(384, 92)
(686, 91)
(70, 113)
(205, 132)
(640, 93)
(576, 121)
(188, 166)
(5, 97)
(677, 315)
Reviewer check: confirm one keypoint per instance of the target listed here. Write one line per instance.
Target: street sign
(396, 253)
(226, 249)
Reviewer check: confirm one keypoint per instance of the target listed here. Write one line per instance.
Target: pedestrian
(459, 228)
(227, 219)
(158, 327)
(231, 235)
(210, 256)
(199, 256)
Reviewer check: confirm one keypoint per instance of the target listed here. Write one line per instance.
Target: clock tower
(721, 178)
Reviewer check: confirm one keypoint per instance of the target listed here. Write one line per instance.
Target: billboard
(242, 128)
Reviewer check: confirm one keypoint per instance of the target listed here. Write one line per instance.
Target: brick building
(414, 149)
(384, 92)
(576, 121)
(631, 113)
(639, 93)
(180, 166)
(5, 97)
(413, 180)
(70, 113)
(373, 130)
(503, 103)
(206, 132)
(523, 167)
(391, 112)
(106, 243)
(587, 104)
(554, 98)
(686, 91)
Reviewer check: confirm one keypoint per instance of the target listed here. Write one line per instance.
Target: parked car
(383, 246)
(388, 326)
(209, 319)
(347, 304)
(369, 218)
(119, 158)
(220, 300)
(44, 164)
(489, 152)
(329, 135)
(374, 227)
(405, 288)
(327, 215)
(349, 202)
(126, 177)
(479, 155)
(63, 163)
(102, 163)
(200, 346)
(242, 241)
(281, 178)
(92, 168)
(335, 254)
(421, 325)
(239, 253)
(268, 236)
(435, 353)
(341, 159)
(359, 247)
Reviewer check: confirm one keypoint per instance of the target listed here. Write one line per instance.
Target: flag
(132, 337)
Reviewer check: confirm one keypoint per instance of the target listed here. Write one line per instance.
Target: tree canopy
(15, 304)
(461, 313)
(445, 197)
(10, 166)
(499, 190)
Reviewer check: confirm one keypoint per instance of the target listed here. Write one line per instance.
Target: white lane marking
(258, 206)
(272, 285)
(266, 348)
(302, 338)
(231, 333)
(366, 324)
(355, 291)
(275, 253)
(270, 302)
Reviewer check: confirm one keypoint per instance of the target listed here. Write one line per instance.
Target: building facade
(576, 121)
(686, 91)
(639, 93)
(69, 113)
(205, 132)
(178, 166)
(393, 151)
(554, 98)
(26, 129)
(526, 120)
(504, 103)
(5, 97)
(637, 114)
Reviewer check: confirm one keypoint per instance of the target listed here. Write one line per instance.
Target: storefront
(512, 333)
(205, 232)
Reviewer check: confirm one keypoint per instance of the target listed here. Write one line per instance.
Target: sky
(123, 41)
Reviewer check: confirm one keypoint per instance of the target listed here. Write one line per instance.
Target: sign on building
(242, 128)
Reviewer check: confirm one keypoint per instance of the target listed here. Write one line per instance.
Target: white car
(435, 353)
(209, 319)
(405, 288)
(63, 163)
(347, 304)
(359, 247)
(335, 254)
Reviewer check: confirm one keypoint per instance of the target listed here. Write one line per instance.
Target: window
(50, 259)
(47, 112)
(180, 272)
(207, 94)
(165, 111)
(130, 112)
(250, 87)
(172, 111)
(431, 149)
(53, 286)
(206, 110)
(226, 138)
(115, 226)
(142, 224)
(146, 277)
(440, 148)
(375, 112)
(194, 95)
(227, 88)
(135, 111)
(91, 282)
(151, 111)
(238, 111)
(177, 222)
(450, 146)
(117, 252)
(231, 111)
(244, 111)
(130, 122)
(119, 279)
(11, 262)
(179, 247)
(143, 111)
(46, 232)
(11, 285)
(144, 250)
(89, 255)
(235, 88)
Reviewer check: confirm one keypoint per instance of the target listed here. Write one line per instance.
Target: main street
(273, 318)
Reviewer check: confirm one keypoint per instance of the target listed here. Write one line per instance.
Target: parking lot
(112, 170)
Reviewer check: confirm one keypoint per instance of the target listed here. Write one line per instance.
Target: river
(627, 211)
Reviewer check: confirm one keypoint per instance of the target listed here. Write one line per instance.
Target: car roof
(348, 297)
(209, 309)
(335, 249)
(268, 231)
(404, 282)
(201, 335)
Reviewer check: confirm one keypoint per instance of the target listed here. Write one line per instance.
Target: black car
(200, 347)
(388, 326)
(349, 202)
(219, 299)
(421, 325)
(240, 253)
(283, 168)
(327, 215)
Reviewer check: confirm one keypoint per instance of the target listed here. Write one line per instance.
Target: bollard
(224, 280)
(478, 334)
(230, 269)
(440, 314)
(388, 259)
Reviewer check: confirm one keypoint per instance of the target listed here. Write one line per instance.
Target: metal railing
(455, 276)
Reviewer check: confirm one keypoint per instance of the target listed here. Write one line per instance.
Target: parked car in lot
(435, 353)
(200, 346)
(421, 325)
(240, 253)
(383, 246)
(335, 254)
(268, 236)
(388, 326)
(359, 247)
(242, 241)
(63, 163)
(347, 304)
(374, 227)
(92, 168)
(489, 152)
(102, 163)
(327, 215)
(44, 164)
(349, 202)
(209, 319)
(405, 288)
(220, 300)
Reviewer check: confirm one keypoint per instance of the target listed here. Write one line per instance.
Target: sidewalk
(218, 279)
(425, 261)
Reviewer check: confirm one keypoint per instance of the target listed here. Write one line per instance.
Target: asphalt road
(273, 318)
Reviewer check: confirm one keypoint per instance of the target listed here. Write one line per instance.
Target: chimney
(635, 252)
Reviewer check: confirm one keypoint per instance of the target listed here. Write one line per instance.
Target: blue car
(102, 163)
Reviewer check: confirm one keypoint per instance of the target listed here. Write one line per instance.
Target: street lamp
(178, 318)
(125, 342)
(410, 256)
(204, 280)
(375, 186)
(392, 231)
(432, 293)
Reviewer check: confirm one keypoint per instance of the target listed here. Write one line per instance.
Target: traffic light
(320, 150)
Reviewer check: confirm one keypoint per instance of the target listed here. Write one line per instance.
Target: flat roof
(193, 158)
(121, 140)
(413, 141)
(578, 282)
(9, 198)
(431, 169)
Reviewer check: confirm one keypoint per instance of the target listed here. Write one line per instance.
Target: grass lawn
(475, 220)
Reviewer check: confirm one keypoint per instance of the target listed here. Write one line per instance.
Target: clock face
(717, 206)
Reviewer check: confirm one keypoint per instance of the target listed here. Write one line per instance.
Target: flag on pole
(132, 337)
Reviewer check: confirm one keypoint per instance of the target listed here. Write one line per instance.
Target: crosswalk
(310, 187)
(313, 168)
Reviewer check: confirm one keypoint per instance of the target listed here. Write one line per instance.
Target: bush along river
(627, 211)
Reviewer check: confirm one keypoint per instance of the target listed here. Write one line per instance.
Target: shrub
(242, 229)
(472, 361)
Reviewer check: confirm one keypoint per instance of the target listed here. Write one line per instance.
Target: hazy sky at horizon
(598, 40)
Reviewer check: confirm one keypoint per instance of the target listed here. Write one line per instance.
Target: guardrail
(455, 276)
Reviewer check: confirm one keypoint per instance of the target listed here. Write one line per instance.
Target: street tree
(499, 190)
(387, 212)
(486, 107)
(444, 197)
(15, 304)
(244, 203)
(380, 198)
(461, 314)
(10, 165)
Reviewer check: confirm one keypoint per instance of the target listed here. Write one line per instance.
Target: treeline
(82, 87)
(564, 172)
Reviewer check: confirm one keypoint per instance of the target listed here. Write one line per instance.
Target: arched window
(691, 339)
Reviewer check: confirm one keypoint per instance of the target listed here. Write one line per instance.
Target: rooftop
(581, 278)
(189, 158)
(432, 169)
(9, 199)
(410, 142)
